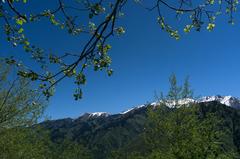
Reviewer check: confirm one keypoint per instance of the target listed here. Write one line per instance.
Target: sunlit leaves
(48, 92)
(101, 63)
(110, 72)
(20, 30)
(103, 49)
(31, 75)
(54, 59)
(173, 33)
(96, 22)
(20, 21)
(92, 26)
(211, 2)
(80, 79)
(69, 72)
(210, 26)
(95, 56)
(202, 15)
(188, 28)
(120, 30)
(96, 9)
(53, 20)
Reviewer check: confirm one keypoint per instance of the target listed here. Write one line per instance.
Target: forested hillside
(127, 134)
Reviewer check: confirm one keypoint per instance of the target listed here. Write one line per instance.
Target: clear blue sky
(143, 59)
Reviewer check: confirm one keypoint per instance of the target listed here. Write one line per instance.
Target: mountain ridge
(105, 133)
(229, 100)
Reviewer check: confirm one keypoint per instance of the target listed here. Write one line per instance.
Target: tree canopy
(97, 21)
(20, 105)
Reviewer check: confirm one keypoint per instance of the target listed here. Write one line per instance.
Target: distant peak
(98, 114)
(227, 100)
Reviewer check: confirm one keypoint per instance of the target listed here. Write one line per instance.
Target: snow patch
(98, 114)
(227, 100)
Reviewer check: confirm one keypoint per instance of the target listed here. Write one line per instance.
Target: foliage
(186, 132)
(70, 150)
(187, 92)
(176, 93)
(20, 105)
(18, 143)
(99, 21)
(35, 143)
(183, 131)
(206, 130)
(20, 108)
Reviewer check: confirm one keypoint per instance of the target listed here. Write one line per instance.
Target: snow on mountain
(98, 114)
(172, 103)
(227, 100)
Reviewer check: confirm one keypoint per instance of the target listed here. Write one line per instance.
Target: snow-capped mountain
(94, 115)
(98, 114)
(226, 100)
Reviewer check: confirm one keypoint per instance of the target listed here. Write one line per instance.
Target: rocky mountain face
(103, 132)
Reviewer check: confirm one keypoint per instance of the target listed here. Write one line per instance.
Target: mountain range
(230, 101)
(102, 132)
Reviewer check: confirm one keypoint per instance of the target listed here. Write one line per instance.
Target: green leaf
(80, 79)
(188, 28)
(20, 21)
(210, 26)
(20, 30)
(120, 30)
(110, 72)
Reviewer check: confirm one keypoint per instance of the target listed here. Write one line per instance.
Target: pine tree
(187, 92)
(174, 90)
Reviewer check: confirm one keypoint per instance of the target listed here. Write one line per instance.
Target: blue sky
(143, 59)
